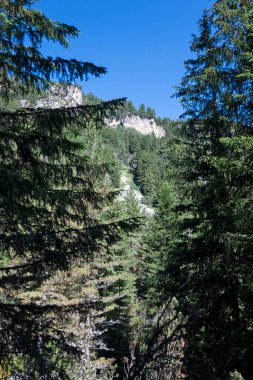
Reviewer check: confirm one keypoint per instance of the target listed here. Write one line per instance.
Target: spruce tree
(51, 197)
(131, 108)
(120, 273)
(142, 110)
(210, 281)
(150, 113)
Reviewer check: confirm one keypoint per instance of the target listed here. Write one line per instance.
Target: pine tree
(212, 286)
(131, 108)
(150, 114)
(51, 196)
(234, 24)
(121, 274)
(142, 110)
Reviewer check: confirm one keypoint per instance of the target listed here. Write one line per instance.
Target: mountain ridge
(62, 96)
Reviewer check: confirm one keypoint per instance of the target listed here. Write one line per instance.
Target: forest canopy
(125, 256)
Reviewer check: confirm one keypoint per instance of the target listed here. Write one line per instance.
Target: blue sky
(143, 44)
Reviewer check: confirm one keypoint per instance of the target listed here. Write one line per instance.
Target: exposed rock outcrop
(58, 96)
(61, 97)
(134, 193)
(143, 126)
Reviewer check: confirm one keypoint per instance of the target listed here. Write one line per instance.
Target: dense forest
(92, 286)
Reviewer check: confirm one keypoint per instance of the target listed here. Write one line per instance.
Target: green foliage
(208, 258)
(142, 110)
(91, 99)
(119, 273)
(131, 108)
(83, 293)
(146, 156)
(199, 246)
(150, 114)
(55, 185)
(21, 38)
(160, 236)
(235, 376)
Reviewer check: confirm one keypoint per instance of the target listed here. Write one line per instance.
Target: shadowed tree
(209, 253)
(51, 196)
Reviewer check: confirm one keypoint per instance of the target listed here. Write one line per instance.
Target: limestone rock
(58, 96)
(61, 97)
(143, 126)
(126, 191)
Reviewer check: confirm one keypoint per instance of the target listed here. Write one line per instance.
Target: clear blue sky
(143, 44)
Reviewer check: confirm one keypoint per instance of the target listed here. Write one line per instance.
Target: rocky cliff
(143, 126)
(59, 96)
(127, 185)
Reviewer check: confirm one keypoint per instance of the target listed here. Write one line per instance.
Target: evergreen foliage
(53, 191)
(121, 270)
(23, 30)
(208, 256)
(84, 293)
(145, 155)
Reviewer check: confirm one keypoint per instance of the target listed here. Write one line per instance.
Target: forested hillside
(125, 255)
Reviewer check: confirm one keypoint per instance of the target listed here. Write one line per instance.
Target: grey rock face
(135, 193)
(58, 96)
(143, 126)
(61, 97)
